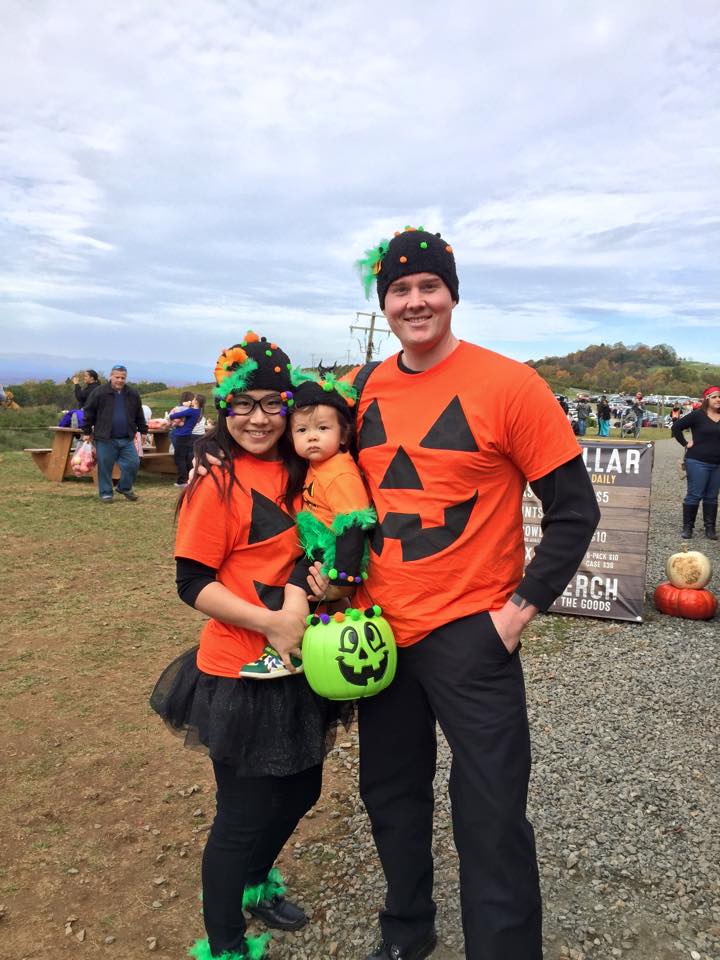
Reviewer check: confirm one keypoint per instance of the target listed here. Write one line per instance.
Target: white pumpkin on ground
(689, 569)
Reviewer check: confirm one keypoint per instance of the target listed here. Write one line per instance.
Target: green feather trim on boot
(275, 884)
(256, 946)
(315, 538)
(272, 886)
(365, 519)
(255, 950)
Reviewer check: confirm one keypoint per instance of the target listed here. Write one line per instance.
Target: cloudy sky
(172, 174)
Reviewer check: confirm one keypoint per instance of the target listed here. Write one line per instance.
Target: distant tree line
(618, 368)
(35, 393)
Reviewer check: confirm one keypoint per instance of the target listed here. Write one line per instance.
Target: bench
(54, 462)
(157, 462)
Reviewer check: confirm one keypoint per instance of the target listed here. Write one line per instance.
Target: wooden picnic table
(54, 461)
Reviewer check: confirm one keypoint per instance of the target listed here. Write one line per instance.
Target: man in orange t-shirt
(448, 435)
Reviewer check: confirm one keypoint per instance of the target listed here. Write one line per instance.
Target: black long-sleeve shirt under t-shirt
(570, 515)
(705, 435)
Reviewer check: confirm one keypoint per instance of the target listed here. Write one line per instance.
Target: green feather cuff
(255, 950)
(365, 519)
(315, 538)
(273, 886)
(319, 541)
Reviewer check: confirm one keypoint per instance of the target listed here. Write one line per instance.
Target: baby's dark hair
(186, 395)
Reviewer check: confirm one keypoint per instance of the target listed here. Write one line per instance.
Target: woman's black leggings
(254, 819)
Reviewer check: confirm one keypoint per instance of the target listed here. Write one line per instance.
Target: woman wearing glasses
(235, 550)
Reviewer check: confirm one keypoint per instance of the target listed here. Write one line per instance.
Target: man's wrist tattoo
(519, 601)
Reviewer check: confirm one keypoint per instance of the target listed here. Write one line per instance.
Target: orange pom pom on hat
(253, 364)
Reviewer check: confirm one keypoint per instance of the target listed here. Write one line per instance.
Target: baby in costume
(336, 510)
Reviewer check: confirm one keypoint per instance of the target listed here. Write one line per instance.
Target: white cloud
(209, 163)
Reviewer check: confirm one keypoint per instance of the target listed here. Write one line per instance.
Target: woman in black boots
(235, 550)
(702, 463)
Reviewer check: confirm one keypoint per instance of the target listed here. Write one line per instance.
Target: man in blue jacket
(113, 415)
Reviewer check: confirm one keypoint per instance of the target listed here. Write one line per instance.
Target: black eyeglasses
(244, 406)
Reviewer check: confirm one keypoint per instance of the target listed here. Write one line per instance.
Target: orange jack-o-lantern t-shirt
(446, 453)
(252, 543)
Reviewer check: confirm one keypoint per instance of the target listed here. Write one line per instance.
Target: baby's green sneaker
(269, 666)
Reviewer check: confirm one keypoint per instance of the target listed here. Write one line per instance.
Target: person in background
(185, 417)
(201, 426)
(702, 463)
(638, 411)
(583, 411)
(113, 415)
(91, 381)
(603, 417)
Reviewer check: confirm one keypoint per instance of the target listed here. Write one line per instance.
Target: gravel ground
(624, 794)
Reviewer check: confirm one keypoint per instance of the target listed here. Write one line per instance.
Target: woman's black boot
(710, 518)
(689, 513)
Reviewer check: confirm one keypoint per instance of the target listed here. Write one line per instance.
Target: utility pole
(370, 331)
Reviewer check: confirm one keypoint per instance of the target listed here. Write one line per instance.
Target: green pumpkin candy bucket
(349, 655)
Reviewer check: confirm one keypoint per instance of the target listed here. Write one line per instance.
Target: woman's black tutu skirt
(263, 728)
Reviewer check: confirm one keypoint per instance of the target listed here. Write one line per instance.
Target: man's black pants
(254, 819)
(462, 675)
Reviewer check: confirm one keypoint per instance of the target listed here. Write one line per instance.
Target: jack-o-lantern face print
(450, 433)
(349, 656)
(363, 656)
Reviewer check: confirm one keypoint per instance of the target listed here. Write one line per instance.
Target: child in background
(336, 508)
(186, 399)
(184, 417)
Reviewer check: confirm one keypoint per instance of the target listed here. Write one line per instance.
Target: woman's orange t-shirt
(446, 453)
(251, 541)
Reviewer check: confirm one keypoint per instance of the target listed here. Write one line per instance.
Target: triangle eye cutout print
(267, 520)
(401, 474)
(372, 432)
(451, 431)
(271, 597)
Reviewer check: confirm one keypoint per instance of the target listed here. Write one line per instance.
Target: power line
(371, 330)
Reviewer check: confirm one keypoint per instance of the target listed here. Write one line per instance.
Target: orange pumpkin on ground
(692, 604)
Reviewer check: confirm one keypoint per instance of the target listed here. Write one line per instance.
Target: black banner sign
(610, 582)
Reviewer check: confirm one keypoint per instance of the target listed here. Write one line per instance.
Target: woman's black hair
(93, 374)
(219, 443)
(200, 400)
